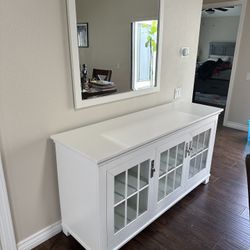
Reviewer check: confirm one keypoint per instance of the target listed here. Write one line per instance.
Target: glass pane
(204, 160)
(180, 154)
(207, 137)
(119, 217)
(144, 61)
(172, 158)
(163, 164)
(120, 187)
(132, 180)
(178, 176)
(197, 164)
(201, 142)
(170, 183)
(191, 168)
(143, 201)
(144, 173)
(132, 208)
(161, 188)
(144, 56)
(194, 145)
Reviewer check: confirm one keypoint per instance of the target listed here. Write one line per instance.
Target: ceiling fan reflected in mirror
(213, 10)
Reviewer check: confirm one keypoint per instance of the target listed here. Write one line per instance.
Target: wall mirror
(115, 47)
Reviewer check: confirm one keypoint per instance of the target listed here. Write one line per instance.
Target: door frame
(243, 3)
(7, 236)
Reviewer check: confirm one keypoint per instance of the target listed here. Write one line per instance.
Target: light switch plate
(248, 76)
(177, 93)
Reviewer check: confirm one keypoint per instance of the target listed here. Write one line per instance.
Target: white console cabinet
(117, 176)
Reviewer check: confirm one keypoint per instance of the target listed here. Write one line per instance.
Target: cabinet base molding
(67, 232)
(40, 237)
(206, 181)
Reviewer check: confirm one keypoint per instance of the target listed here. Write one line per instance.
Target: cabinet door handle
(187, 150)
(190, 148)
(152, 169)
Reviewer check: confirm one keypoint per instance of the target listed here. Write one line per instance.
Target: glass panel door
(131, 193)
(199, 153)
(171, 170)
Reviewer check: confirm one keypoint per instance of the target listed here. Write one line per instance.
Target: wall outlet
(177, 93)
(248, 76)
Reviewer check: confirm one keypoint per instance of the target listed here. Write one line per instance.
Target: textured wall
(36, 97)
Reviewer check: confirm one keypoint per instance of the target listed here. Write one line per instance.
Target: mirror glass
(117, 44)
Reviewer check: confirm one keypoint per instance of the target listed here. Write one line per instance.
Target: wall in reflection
(110, 35)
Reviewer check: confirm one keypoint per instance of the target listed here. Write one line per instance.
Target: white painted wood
(133, 234)
(212, 124)
(79, 103)
(172, 141)
(86, 184)
(206, 181)
(74, 54)
(186, 136)
(114, 137)
(7, 237)
(121, 166)
(78, 181)
(40, 237)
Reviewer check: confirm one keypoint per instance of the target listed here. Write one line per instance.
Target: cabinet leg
(206, 181)
(65, 231)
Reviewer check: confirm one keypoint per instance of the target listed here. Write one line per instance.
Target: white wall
(216, 29)
(36, 98)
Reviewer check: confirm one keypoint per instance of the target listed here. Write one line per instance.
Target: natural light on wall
(145, 43)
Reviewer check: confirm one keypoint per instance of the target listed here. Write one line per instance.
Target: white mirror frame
(74, 53)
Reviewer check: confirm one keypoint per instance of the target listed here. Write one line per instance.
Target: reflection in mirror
(117, 46)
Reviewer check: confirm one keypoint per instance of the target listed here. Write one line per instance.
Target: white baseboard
(7, 236)
(235, 125)
(40, 237)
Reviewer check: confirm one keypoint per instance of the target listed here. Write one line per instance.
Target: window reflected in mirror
(117, 45)
(144, 54)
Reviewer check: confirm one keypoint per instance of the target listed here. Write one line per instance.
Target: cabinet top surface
(105, 140)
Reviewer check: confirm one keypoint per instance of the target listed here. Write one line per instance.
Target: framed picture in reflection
(83, 35)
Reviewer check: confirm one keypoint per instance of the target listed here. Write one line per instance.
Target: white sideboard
(118, 176)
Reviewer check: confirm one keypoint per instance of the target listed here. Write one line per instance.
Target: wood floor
(214, 216)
